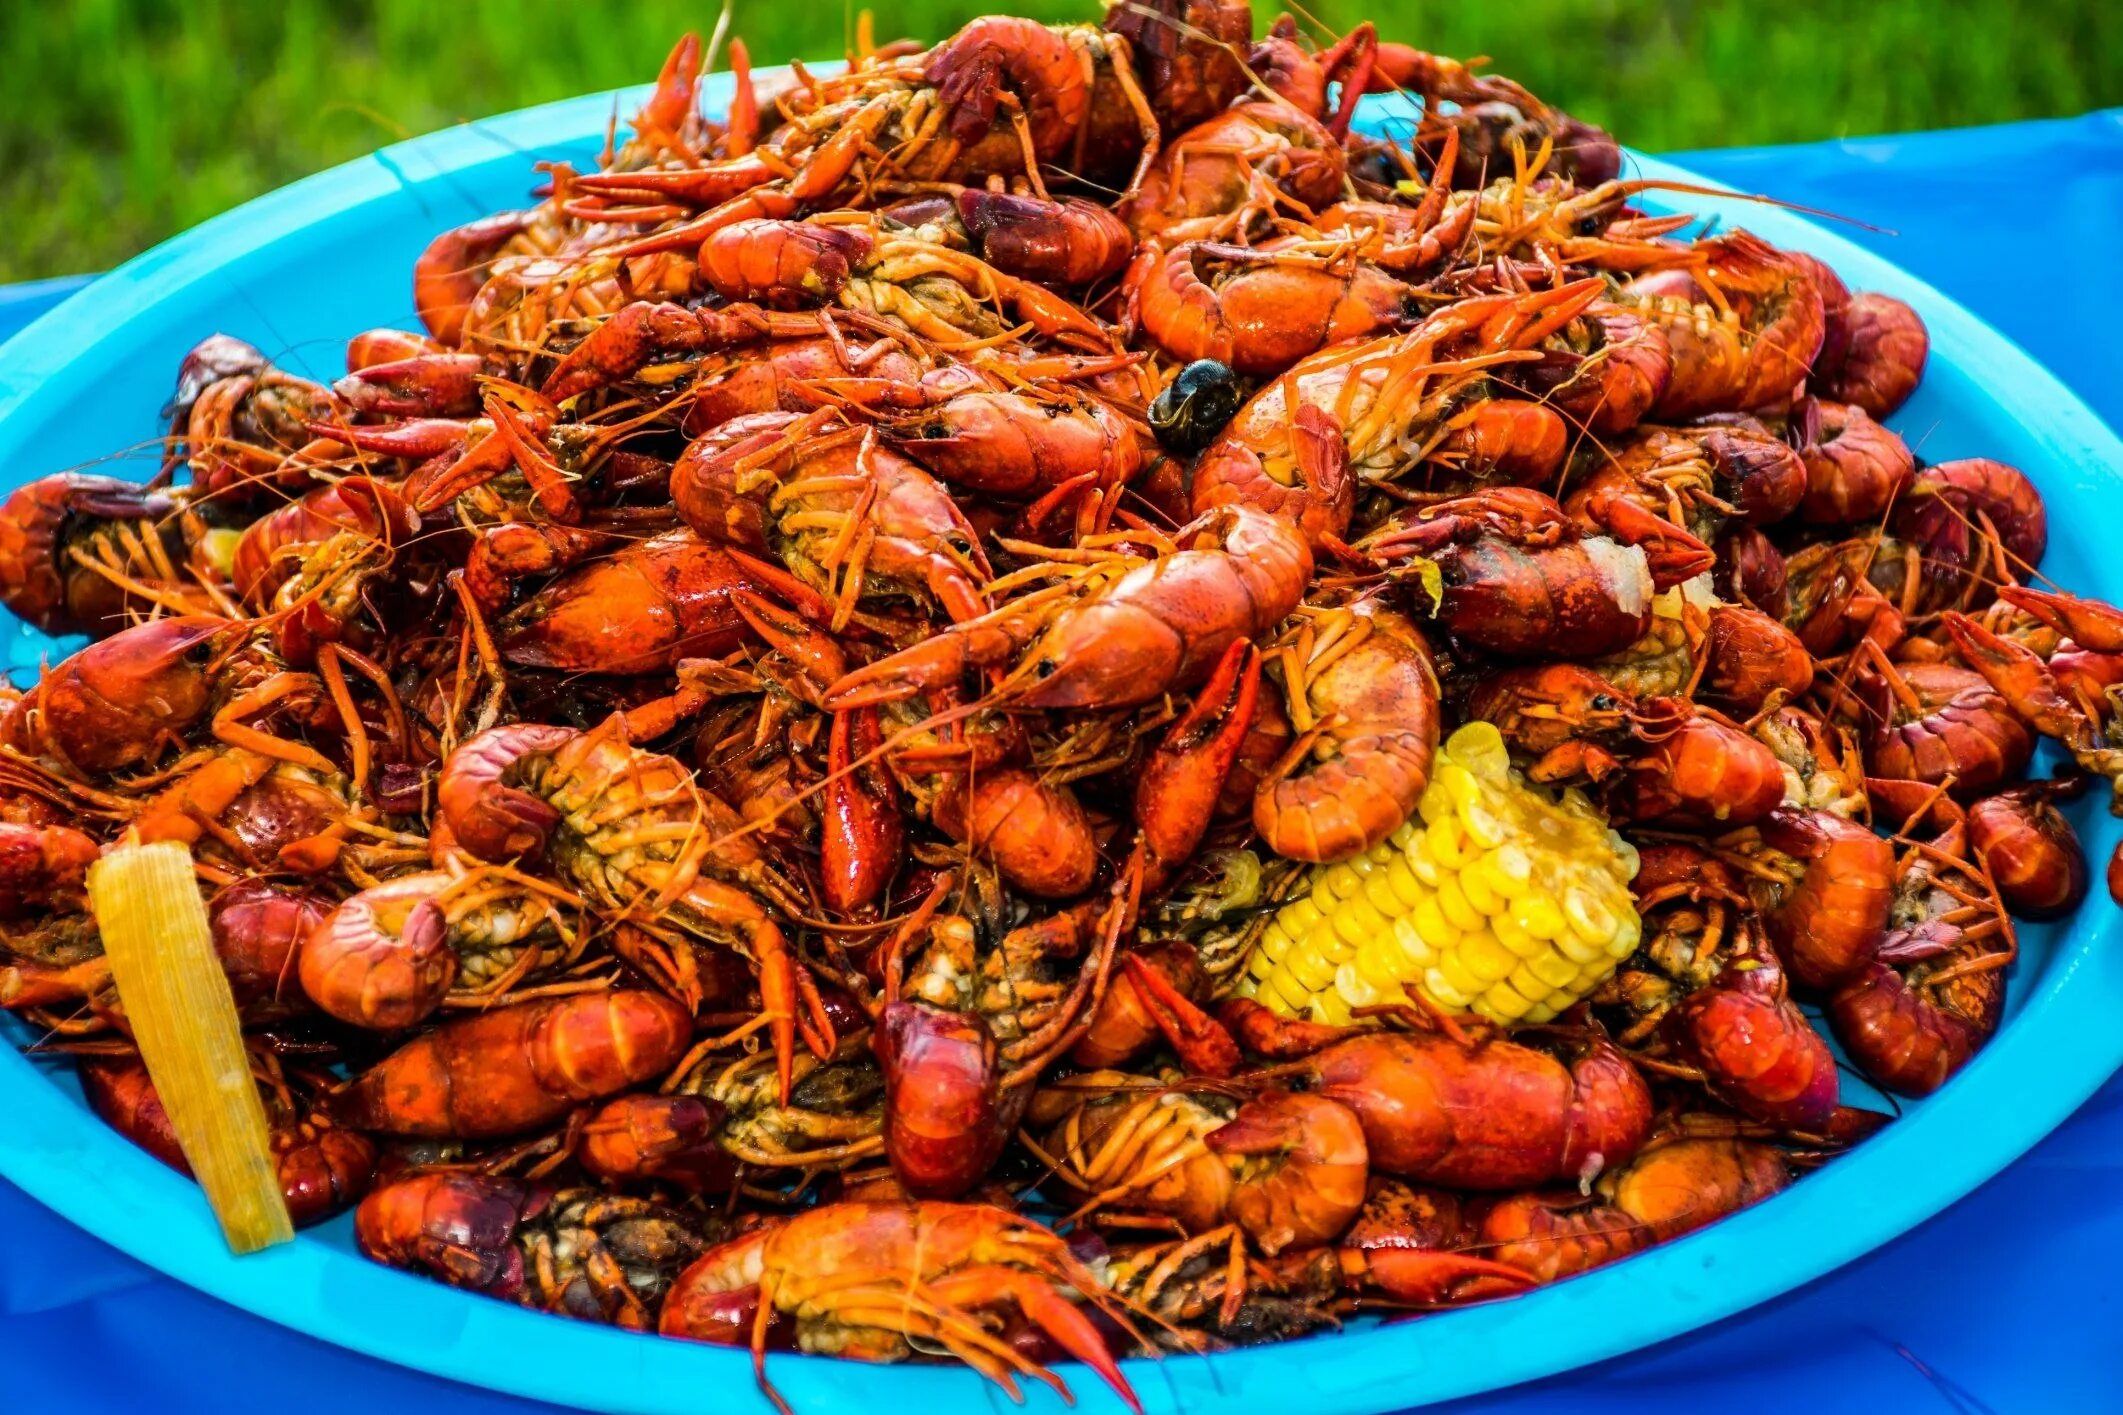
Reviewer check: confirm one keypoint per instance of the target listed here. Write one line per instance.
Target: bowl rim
(65, 1158)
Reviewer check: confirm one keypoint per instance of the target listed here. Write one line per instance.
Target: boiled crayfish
(1033, 700)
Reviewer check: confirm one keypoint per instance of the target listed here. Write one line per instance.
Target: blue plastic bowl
(300, 270)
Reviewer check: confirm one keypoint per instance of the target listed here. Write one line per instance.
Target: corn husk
(177, 1000)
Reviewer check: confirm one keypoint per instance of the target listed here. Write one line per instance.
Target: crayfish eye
(1590, 225)
(1193, 408)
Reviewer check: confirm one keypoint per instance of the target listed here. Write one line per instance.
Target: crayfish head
(459, 1227)
(111, 704)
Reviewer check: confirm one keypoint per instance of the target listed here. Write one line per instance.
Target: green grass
(123, 121)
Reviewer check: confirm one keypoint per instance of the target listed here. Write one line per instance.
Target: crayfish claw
(1203, 1045)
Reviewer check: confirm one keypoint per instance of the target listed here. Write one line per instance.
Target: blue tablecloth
(2004, 1303)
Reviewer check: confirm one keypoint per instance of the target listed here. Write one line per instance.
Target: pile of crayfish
(983, 707)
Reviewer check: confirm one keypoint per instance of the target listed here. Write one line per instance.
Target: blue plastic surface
(2019, 222)
(19, 304)
(94, 372)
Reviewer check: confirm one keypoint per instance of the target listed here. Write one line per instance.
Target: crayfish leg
(1048, 1310)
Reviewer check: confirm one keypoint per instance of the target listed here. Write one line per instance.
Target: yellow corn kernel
(1528, 983)
(1553, 969)
(1508, 869)
(1265, 992)
(1389, 958)
(1297, 917)
(1284, 996)
(1379, 893)
(1502, 1003)
(1475, 887)
(1381, 951)
(1440, 990)
(1357, 922)
(1509, 934)
(1359, 988)
(1408, 891)
(1354, 988)
(1449, 845)
(1309, 968)
(217, 548)
(1321, 942)
(1431, 923)
(1485, 958)
(1483, 824)
(1342, 880)
(1629, 934)
(1452, 902)
(1328, 1007)
(1424, 866)
(1587, 915)
(1537, 915)
(1413, 946)
(1480, 886)
(1479, 746)
(1453, 970)
(1275, 940)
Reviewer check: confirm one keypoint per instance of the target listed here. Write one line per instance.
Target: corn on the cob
(1497, 898)
(177, 998)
